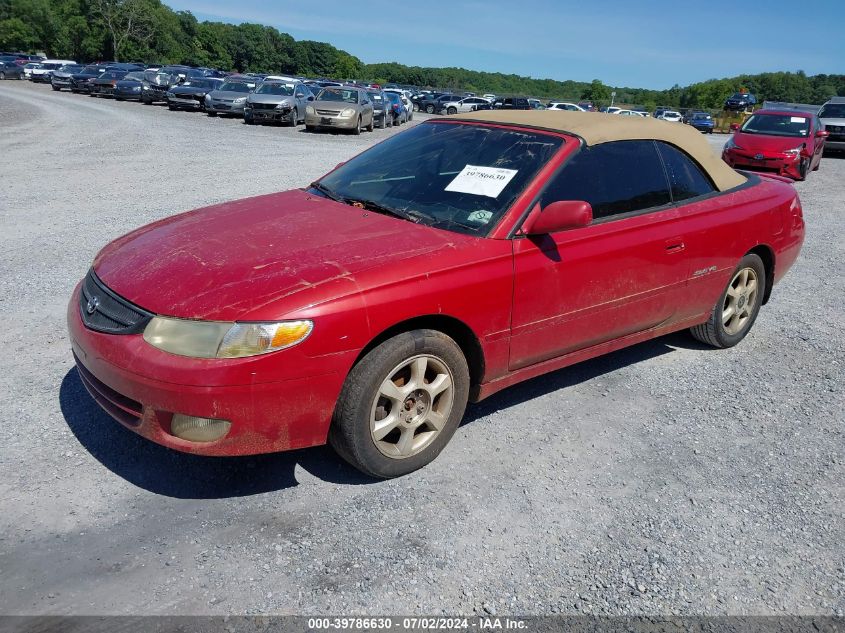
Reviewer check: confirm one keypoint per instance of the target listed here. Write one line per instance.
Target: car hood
(261, 257)
(188, 90)
(339, 106)
(128, 83)
(257, 98)
(764, 143)
(227, 94)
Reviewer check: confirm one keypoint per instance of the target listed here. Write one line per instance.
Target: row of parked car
(255, 98)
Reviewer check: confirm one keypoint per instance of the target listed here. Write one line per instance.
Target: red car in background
(436, 268)
(786, 142)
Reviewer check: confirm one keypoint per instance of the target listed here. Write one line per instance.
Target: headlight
(794, 152)
(208, 98)
(170, 94)
(348, 112)
(216, 339)
(309, 110)
(283, 105)
(239, 100)
(145, 86)
(731, 144)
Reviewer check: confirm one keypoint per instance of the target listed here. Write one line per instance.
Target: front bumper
(774, 162)
(142, 387)
(267, 114)
(184, 103)
(60, 82)
(127, 93)
(43, 78)
(225, 108)
(102, 91)
(331, 121)
(154, 95)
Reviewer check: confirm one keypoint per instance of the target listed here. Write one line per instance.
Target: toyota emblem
(93, 304)
(758, 156)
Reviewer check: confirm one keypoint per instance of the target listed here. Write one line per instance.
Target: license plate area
(325, 120)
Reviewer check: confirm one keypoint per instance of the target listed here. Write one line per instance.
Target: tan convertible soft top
(596, 128)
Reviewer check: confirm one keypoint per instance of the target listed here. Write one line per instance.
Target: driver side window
(615, 178)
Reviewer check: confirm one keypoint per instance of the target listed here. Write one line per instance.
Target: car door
(620, 275)
(300, 100)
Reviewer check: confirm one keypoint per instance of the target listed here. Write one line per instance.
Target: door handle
(675, 245)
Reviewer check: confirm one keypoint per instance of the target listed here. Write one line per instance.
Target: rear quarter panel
(721, 229)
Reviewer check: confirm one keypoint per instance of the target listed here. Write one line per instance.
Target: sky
(642, 44)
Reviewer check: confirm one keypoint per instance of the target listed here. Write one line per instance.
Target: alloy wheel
(740, 301)
(412, 406)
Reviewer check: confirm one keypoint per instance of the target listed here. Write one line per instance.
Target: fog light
(194, 429)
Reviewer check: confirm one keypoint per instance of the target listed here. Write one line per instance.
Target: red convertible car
(789, 143)
(436, 268)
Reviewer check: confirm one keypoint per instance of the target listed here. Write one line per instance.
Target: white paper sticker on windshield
(797, 119)
(482, 181)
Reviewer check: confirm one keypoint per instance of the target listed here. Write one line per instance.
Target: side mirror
(559, 216)
(822, 133)
(310, 97)
(734, 127)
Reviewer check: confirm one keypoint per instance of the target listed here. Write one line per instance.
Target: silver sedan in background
(340, 107)
(230, 98)
(278, 101)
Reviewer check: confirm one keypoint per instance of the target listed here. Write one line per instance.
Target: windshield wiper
(370, 205)
(330, 194)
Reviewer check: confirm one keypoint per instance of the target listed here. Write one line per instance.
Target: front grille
(104, 311)
(263, 106)
(117, 405)
(836, 138)
(328, 112)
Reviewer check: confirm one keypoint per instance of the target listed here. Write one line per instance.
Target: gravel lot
(664, 478)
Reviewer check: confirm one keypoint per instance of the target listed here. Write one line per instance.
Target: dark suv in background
(740, 101)
(512, 103)
(434, 103)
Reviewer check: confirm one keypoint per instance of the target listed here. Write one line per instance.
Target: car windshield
(134, 77)
(738, 95)
(700, 116)
(275, 89)
(777, 125)
(454, 176)
(91, 70)
(231, 86)
(71, 68)
(833, 111)
(345, 95)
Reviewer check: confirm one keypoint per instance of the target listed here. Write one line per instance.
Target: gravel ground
(661, 479)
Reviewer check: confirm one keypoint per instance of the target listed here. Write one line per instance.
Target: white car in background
(623, 112)
(671, 115)
(565, 105)
(469, 104)
(28, 68)
(490, 97)
(46, 68)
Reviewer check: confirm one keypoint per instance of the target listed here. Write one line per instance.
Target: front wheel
(737, 307)
(372, 124)
(2, 76)
(401, 404)
(452, 111)
(212, 114)
(357, 129)
(429, 109)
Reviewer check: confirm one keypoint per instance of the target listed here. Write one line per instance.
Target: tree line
(150, 31)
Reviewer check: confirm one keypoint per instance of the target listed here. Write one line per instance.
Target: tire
(212, 114)
(429, 109)
(720, 332)
(292, 118)
(372, 125)
(309, 128)
(2, 76)
(818, 164)
(411, 442)
(803, 169)
(357, 129)
(172, 108)
(248, 120)
(383, 123)
(56, 88)
(452, 111)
